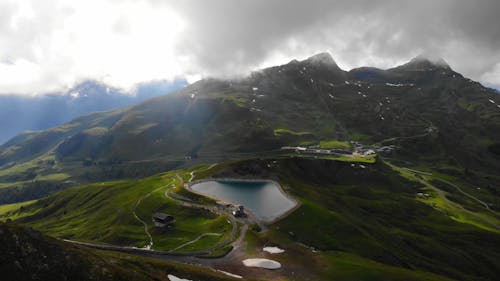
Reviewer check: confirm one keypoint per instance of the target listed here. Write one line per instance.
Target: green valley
(393, 175)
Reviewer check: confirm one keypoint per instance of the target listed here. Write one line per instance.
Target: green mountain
(430, 115)
(395, 171)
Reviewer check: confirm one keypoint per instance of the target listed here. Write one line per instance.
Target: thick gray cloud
(54, 44)
(227, 35)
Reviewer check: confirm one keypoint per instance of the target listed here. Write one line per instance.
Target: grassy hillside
(428, 114)
(30, 255)
(106, 213)
(375, 213)
(356, 221)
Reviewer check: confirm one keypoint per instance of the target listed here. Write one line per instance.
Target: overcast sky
(51, 44)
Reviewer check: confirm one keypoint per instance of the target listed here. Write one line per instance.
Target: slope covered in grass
(30, 255)
(362, 222)
(104, 213)
(423, 110)
(373, 213)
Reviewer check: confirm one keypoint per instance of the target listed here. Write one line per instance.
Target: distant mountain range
(20, 113)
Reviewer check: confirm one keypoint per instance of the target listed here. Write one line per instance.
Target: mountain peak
(425, 62)
(435, 60)
(324, 57)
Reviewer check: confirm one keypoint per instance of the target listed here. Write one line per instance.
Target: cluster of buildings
(332, 151)
(237, 211)
(315, 150)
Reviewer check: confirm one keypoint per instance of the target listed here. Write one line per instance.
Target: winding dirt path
(196, 240)
(146, 230)
(238, 251)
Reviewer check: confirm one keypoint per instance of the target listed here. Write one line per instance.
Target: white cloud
(492, 77)
(120, 43)
(51, 44)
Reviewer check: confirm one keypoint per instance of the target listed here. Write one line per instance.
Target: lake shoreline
(296, 202)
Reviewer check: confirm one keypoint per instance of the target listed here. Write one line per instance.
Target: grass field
(368, 224)
(354, 223)
(103, 213)
(439, 199)
(283, 131)
(327, 144)
(17, 209)
(366, 159)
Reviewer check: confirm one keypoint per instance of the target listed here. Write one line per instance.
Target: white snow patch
(262, 263)
(331, 96)
(175, 278)
(230, 274)
(192, 96)
(399, 85)
(362, 166)
(273, 250)
(312, 81)
(394, 85)
(347, 83)
(255, 88)
(492, 101)
(75, 95)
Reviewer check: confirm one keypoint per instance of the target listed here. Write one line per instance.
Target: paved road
(467, 194)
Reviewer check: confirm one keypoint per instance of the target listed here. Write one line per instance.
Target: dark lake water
(263, 198)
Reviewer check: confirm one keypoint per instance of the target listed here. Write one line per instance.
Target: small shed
(162, 219)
